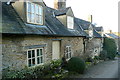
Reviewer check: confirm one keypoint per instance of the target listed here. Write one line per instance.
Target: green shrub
(96, 58)
(76, 64)
(51, 70)
(103, 55)
(111, 48)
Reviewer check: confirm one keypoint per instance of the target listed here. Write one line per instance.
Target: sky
(104, 12)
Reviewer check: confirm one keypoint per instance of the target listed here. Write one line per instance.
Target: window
(70, 22)
(34, 13)
(34, 57)
(68, 53)
(91, 33)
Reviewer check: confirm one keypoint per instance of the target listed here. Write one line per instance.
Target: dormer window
(70, 22)
(34, 13)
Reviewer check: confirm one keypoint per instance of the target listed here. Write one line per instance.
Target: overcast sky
(105, 12)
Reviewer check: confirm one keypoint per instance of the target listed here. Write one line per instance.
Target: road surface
(107, 69)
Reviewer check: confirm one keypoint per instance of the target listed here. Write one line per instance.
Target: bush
(96, 58)
(103, 55)
(51, 70)
(110, 46)
(76, 64)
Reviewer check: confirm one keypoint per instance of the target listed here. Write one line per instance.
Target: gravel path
(106, 69)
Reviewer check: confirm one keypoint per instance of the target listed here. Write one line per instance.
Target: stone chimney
(90, 19)
(110, 31)
(59, 4)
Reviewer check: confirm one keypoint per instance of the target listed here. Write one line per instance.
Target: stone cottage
(34, 34)
(94, 41)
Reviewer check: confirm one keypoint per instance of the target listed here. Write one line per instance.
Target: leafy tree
(110, 46)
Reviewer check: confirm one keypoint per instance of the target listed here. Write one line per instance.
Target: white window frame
(35, 13)
(70, 22)
(36, 64)
(68, 52)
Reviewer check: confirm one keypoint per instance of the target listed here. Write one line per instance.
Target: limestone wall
(93, 47)
(14, 48)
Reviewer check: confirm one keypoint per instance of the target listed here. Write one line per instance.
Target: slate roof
(13, 24)
(62, 11)
(84, 25)
(111, 35)
(98, 28)
(97, 35)
(78, 27)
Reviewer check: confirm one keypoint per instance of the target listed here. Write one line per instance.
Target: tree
(110, 46)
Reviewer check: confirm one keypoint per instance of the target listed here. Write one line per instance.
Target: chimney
(90, 19)
(59, 4)
(110, 31)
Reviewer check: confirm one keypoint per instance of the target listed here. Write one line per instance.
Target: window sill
(34, 23)
(36, 65)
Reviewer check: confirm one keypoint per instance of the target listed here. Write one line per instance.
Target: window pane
(37, 19)
(70, 22)
(70, 55)
(33, 53)
(40, 10)
(41, 59)
(66, 55)
(40, 19)
(29, 7)
(38, 60)
(38, 52)
(29, 62)
(69, 48)
(41, 52)
(29, 17)
(32, 18)
(37, 9)
(29, 54)
(33, 61)
(32, 8)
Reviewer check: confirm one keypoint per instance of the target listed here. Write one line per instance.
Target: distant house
(94, 41)
(34, 34)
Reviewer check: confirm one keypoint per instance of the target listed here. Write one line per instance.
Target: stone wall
(93, 47)
(14, 48)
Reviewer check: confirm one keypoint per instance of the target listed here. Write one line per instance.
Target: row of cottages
(34, 34)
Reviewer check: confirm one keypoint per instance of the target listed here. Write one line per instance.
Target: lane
(107, 69)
